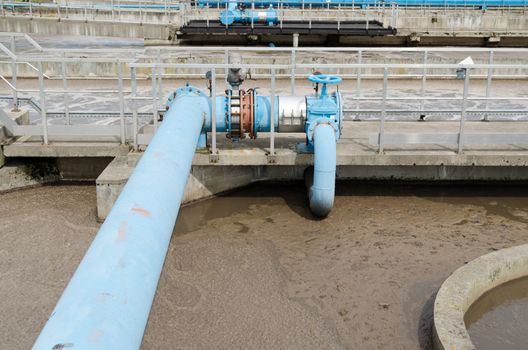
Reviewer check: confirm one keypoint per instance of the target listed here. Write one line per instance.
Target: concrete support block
(207, 181)
(21, 117)
(493, 41)
(203, 182)
(111, 181)
(2, 156)
(414, 39)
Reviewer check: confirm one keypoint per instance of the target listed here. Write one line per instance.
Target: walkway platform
(494, 143)
(33, 147)
(355, 28)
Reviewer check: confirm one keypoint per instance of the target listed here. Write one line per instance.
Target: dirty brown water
(502, 200)
(498, 319)
(253, 269)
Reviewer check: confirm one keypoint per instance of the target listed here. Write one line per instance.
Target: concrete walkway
(358, 146)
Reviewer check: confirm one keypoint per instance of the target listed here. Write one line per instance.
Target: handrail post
(358, 83)
(424, 83)
(252, 17)
(383, 111)
(133, 90)
(154, 97)
(65, 88)
(272, 117)
(121, 102)
(43, 111)
(133, 81)
(310, 18)
(488, 84)
(214, 152)
(14, 74)
(463, 112)
(338, 17)
(226, 70)
(160, 77)
(293, 62)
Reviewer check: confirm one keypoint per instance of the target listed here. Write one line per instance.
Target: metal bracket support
(213, 158)
(272, 159)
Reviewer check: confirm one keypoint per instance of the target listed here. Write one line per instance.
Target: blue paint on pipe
(107, 302)
(263, 113)
(323, 129)
(230, 16)
(322, 191)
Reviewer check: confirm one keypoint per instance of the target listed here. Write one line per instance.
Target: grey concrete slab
(35, 148)
(354, 147)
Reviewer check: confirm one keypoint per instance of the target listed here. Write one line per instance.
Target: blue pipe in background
(233, 14)
(364, 3)
(107, 302)
(322, 190)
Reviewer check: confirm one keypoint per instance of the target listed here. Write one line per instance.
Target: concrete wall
(93, 14)
(207, 181)
(410, 22)
(53, 26)
(462, 22)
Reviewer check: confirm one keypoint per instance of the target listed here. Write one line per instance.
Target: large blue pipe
(322, 191)
(107, 302)
(403, 3)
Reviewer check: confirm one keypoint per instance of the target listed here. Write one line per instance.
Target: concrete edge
(460, 290)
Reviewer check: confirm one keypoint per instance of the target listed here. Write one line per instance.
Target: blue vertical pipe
(107, 302)
(322, 191)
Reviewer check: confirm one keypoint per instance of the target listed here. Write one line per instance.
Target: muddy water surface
(499, 319)
(254, 270)
(364, 278)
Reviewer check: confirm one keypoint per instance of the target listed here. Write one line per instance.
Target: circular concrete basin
(465, 286)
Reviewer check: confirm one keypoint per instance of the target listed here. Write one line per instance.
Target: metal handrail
(117, 10)
(154, 62)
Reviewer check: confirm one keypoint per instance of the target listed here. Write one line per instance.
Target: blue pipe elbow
(322, 190)
(107, 301)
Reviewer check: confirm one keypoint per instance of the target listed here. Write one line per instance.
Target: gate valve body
(323, 108)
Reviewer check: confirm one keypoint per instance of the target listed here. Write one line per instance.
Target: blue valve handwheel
(325, 79)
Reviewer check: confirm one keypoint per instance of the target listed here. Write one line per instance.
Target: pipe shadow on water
(258, 196)
(425, 324)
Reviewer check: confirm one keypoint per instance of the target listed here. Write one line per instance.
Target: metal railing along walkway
(162, 69)
(168, 12)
